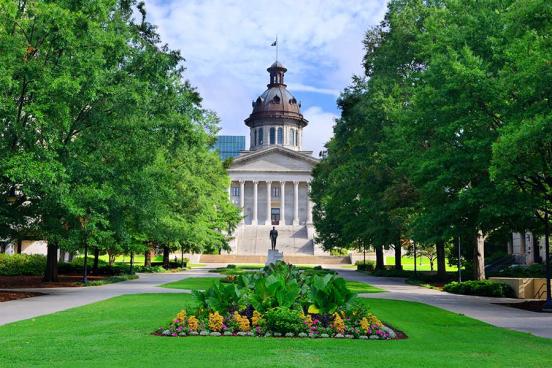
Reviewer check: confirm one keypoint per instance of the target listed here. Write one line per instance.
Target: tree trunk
(479, 257)
(147, 258)
(131, 262)
(19, 246)
(51, 272)
(398, 255)
(379, 258)
(166, 260)
(96, 259)
(441, 260)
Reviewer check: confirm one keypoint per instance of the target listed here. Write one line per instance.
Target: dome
(276, 101)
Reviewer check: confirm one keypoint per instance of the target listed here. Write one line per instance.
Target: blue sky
(226, 44)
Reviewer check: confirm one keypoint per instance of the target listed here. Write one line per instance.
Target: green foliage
(365, 266)
(21, 264)
(329, 292)
(275, 290)
(110, 280)
(284, 320)
(480, 288)
(221, 297)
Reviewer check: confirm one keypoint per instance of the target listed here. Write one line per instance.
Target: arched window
(272, 136)
(291, 137)
(280, 136)
(261, 136)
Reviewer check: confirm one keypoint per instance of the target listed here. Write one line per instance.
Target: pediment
(273, 159)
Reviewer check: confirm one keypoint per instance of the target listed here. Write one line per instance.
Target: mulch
(14, 295)
(19, 282)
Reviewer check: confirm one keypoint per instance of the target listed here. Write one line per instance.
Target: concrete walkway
(481, 308)
(58, 299)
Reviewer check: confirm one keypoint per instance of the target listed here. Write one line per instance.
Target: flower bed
(279, 301)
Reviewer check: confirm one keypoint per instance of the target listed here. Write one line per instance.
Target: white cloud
(319, 130)
(226, 44)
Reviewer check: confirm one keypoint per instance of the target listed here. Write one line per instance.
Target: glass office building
(229, 145)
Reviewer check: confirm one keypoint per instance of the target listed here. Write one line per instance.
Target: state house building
(270, 181)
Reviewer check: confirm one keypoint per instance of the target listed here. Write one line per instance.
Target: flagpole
(277, 47)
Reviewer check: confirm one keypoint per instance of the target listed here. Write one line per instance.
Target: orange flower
(215, 321)
(338, 324)
(193, 323)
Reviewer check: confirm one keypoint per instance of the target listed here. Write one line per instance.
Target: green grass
(362, 287)
(203, 283)
(421, 262)
(117, 333)
(192, 283)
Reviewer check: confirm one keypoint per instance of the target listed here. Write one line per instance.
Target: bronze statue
(273, 236)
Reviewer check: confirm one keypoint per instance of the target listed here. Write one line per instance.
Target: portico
(274, 199)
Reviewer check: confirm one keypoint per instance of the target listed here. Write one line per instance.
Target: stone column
(242, 200)
(283, 202)
(295, 203)
(309, 205)
(254, 220)
(268, 200)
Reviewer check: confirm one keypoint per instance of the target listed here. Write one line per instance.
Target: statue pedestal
(274, 256)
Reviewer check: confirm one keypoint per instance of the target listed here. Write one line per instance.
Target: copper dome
(276, 101)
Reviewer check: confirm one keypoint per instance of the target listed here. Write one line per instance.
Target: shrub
(480, 288)
(22, 264)
(368, 266)
(284, 320)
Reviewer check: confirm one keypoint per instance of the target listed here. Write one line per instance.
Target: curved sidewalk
(481, 308)
(59, 299)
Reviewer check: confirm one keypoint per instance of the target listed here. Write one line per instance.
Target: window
(235, 191)
(291, 136)
(272, 135)
(280, 136)
(275, 192)
(296, 137)
(260, 136)
(276, 100)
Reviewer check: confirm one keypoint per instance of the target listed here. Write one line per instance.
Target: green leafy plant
(284, 320)
(329, 292)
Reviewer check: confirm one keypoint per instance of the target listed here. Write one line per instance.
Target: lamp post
(83, 222)
(415, 269)
(459, 260)
(548, 305)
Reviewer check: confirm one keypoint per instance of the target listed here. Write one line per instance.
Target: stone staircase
(258, 259)
(254, 240)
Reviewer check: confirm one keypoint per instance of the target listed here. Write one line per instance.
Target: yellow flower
(364, 324)
(373, 320)
(181, 316)
(256, 319)
(193, 323)
(242, 321)
(338, 324)
(215, 321)
(307, 319)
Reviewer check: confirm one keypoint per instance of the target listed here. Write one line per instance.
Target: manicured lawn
(362, 287)
(203, 283)
(117, 333)
(421, 262)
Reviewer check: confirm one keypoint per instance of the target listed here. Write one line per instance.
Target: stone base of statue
(274, 256)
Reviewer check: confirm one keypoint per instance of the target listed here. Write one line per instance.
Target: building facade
(270, 181)
(229, 146)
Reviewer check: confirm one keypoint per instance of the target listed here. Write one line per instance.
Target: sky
(226, 44)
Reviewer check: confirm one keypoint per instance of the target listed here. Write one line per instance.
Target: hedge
(22, 265)
(480, 288)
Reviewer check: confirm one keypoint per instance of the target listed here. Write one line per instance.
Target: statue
(273, 236)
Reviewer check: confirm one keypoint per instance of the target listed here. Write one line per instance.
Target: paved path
(58, 299)
(481, 308)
